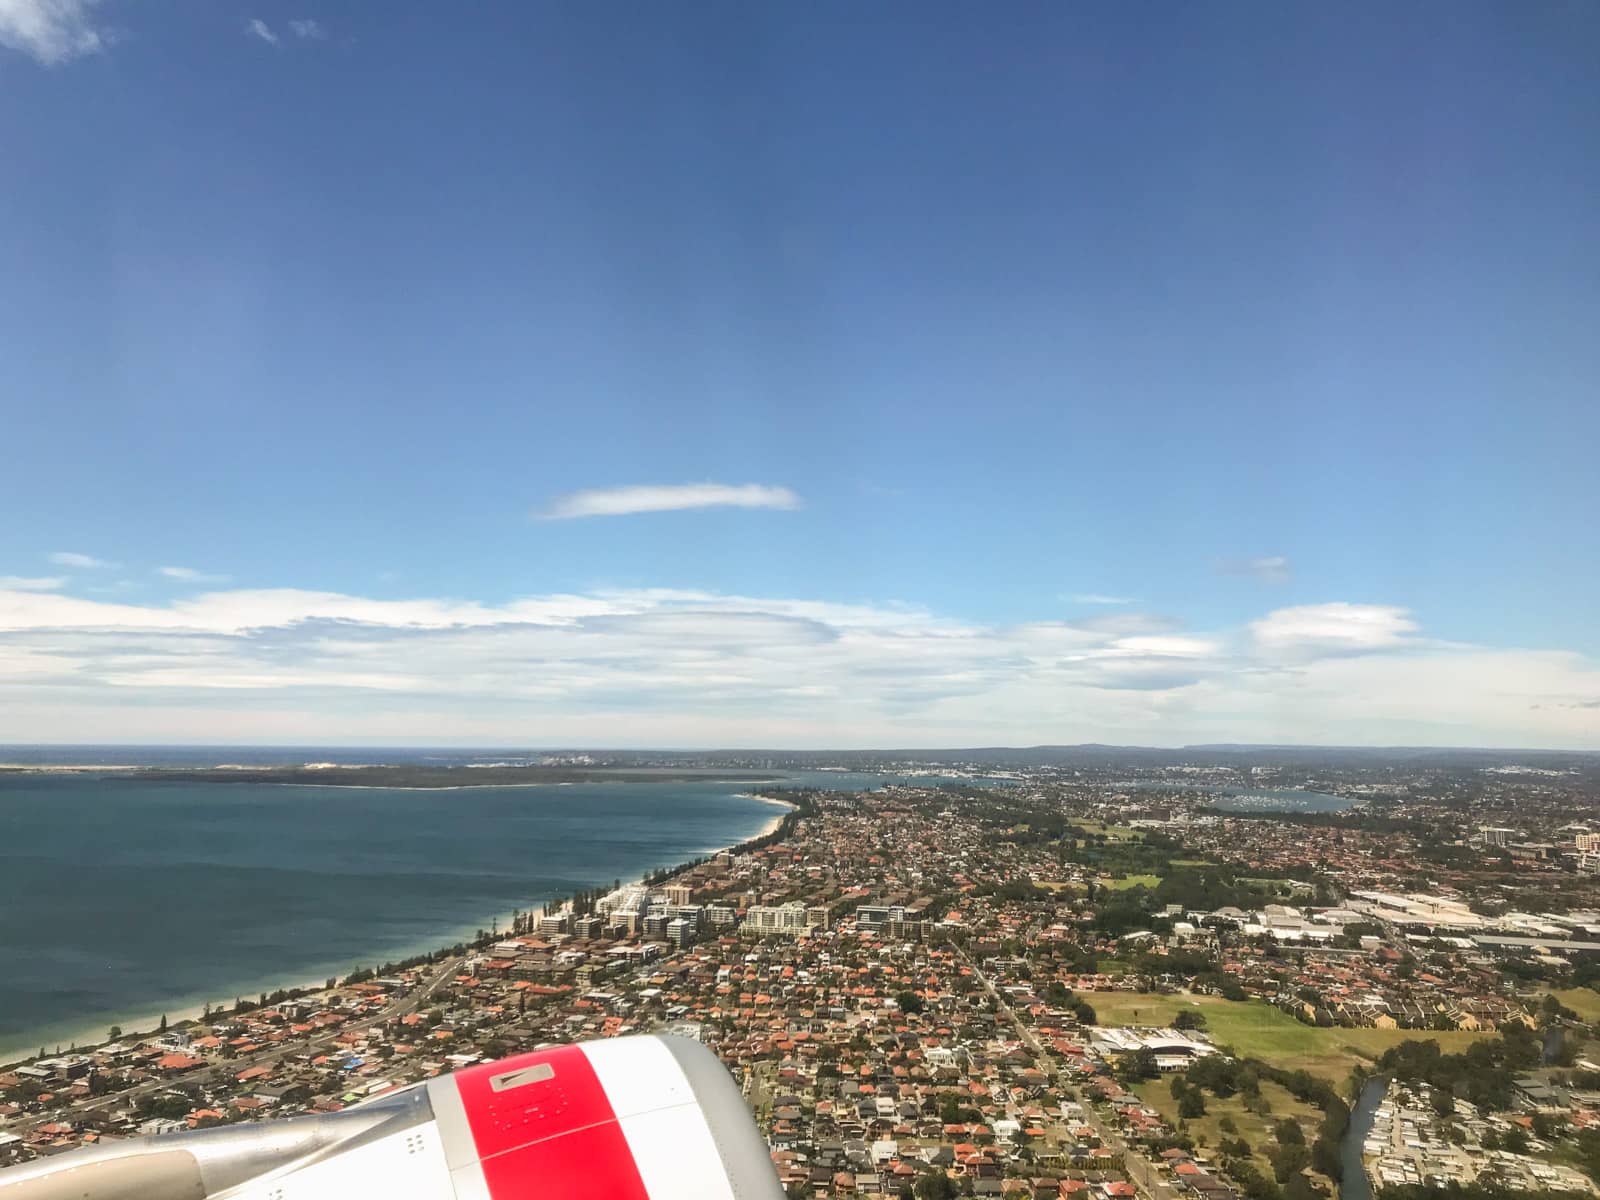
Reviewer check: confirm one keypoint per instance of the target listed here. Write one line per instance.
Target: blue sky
(1275, 325)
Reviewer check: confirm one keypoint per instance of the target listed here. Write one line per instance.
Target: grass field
(1583, 1001)
(1256, 1030)
(1115, 833)
(1132, 881)
(1115, 885)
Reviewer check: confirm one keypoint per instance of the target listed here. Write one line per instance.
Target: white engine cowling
(635, 1118)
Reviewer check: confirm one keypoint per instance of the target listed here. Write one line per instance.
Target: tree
(1255, 1185)
(116, 1032)
(1141, 1064)
(170, 1105)
(1548, 1126)
(1589, 1151)
(162, 1028)
(1289, 1161)
(1192, 1104)
(1552, 1010)
(1289, 1133)
(909, 1002)
(1325, 1158)
(1189, 1019)
(1444, 1101)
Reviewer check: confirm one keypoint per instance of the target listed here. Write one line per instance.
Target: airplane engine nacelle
(635, 1118)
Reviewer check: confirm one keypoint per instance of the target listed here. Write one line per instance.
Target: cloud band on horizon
(679, 667)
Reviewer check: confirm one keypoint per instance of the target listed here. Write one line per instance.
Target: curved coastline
(143, 1022)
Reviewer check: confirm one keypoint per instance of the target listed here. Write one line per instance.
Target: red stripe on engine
(554, 1137)
(590, 1162)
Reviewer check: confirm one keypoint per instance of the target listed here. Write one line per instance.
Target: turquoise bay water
(1292, 800)
(122, 899)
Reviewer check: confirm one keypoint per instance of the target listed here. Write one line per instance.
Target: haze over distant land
(437, 766)
(800, 375)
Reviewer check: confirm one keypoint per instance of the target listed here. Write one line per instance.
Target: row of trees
(1290, 1154)
(1484, 1073)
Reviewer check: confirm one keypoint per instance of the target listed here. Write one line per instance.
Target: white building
(792, 918)
(1174, 1049)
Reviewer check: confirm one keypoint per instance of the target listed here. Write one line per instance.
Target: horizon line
(712, 749)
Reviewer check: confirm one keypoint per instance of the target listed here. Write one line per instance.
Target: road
(1140, 1169)
(222, 1069)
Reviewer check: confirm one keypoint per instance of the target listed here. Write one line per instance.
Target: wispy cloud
(33, 583)
(646, 498)
(1099, 598)
(1268, 568)
(190, 575)
(303, 29)
(52, 31)
(82, 562)
(257, 28)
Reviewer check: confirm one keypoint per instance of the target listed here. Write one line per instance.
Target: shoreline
(146, 1025)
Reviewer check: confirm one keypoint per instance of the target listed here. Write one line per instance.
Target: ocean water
(121, 899)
